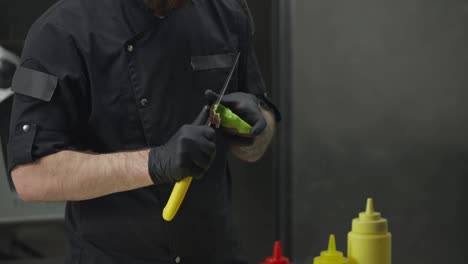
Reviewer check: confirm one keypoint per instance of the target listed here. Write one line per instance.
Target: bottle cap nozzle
(277, 257)
(332, 244)
(370, 206)
(331, 256)
(277, 250)
(370, 221)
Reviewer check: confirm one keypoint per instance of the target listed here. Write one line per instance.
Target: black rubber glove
(245, 105)
(188, 153)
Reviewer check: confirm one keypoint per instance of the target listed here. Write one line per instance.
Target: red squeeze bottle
(277, 258)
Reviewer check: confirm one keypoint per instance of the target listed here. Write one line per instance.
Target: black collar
(138, 16)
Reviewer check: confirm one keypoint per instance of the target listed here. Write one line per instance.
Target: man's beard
(163, 7)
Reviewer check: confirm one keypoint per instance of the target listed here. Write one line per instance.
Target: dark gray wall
(379, 107)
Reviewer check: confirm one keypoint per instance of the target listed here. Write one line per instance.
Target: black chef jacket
(107, 76)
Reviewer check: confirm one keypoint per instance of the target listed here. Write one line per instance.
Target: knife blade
(213, 116)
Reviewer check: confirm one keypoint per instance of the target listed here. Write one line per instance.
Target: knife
(181, 187)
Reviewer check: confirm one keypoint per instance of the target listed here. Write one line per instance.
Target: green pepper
(230, 120)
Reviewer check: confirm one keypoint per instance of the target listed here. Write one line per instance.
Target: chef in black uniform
(110, 110)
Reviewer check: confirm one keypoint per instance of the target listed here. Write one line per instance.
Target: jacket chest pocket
(211, 71)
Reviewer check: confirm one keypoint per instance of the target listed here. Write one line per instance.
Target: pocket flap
(203, 63)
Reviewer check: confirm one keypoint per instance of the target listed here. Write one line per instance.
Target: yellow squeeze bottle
(369, 241)
(331, 256)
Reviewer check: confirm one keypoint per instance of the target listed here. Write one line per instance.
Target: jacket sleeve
(50, 96)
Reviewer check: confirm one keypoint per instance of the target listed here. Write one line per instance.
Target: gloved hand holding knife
(189, 152)
(182, 186)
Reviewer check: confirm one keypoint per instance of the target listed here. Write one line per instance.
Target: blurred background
(374, 100)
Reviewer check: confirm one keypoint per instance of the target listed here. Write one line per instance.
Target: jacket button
(144, 102)
(130, 48)
(26, 128)
(178, 260)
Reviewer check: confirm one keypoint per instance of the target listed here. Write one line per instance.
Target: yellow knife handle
(176, 198)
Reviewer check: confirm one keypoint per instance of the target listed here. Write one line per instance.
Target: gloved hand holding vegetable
(247, 107)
